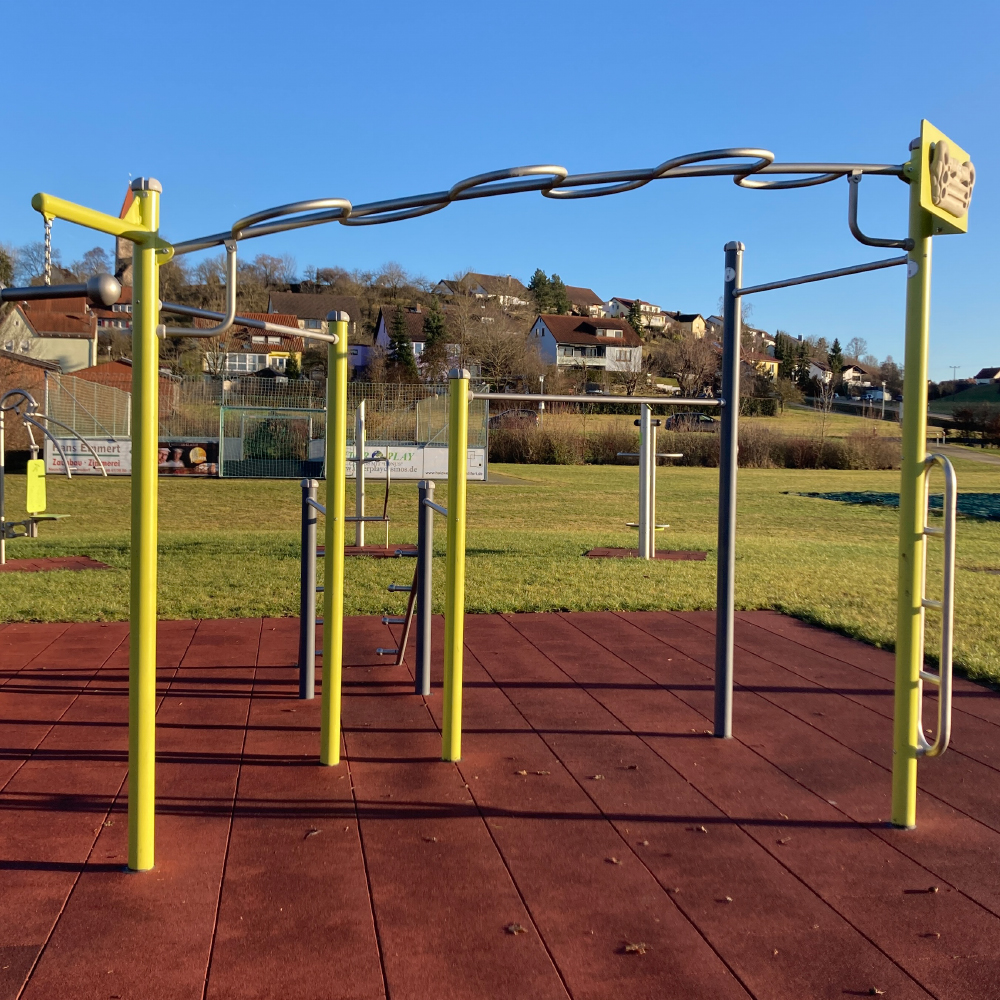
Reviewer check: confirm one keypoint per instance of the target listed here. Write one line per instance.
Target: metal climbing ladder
(942, 679)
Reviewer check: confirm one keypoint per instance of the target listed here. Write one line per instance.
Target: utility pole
(954, 372)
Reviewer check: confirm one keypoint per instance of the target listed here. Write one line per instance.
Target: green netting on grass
(982, 505)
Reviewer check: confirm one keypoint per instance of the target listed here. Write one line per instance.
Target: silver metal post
(425, 566)
(725, 595)
(307, 593)
(359, 466)
(645, 457)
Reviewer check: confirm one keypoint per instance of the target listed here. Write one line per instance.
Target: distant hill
(975, 395)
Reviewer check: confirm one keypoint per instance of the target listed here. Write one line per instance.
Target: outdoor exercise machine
(647, 455)
(22, 404)
(940, 176)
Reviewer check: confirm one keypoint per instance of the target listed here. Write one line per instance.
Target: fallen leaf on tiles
(430, 840)
(516, 929)
(698, 829)
(109, 822)
(782, 815)
(597, 777)
(876, 992)
(636, 948)
(520, 772)
(728, 899)
(543, 772)
(311, 833)
(643, 843)
(613, 861)
(784, 840)
(932, 934)
(933, 888)
(775, 952)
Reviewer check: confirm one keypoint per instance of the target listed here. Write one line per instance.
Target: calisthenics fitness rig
(940, 177)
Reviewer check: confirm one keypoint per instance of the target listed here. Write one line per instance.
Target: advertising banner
(115, 454)
(416, 461)
(176, 458)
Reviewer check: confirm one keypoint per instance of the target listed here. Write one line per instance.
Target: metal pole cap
(459, 373)
(104, 289)
(337, 316)
(147, 184)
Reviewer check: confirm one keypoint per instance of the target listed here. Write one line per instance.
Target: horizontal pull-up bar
(528, 397)
(253, 324)
(747, 167)
(876, 265)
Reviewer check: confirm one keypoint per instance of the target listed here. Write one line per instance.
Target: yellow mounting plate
(946, 180)
(35, 501)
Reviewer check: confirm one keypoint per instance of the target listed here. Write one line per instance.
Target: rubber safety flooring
(594, 841)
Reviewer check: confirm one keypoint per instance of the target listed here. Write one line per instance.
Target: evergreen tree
(635, 317)
(558, 296)
(541, 289)
(435, 348)
(292, 370)
(402, 363)
(835, 359)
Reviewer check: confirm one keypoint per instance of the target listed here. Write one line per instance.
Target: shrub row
(759, 448)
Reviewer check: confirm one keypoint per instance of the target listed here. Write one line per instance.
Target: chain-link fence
(89, 408)
(271, 443)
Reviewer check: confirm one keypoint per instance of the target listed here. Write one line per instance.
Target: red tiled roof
(583, 330)
(579, 296)
(308, 305)
(48, 323)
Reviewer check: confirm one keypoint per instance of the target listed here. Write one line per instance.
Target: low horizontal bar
(401, 588)
(875, 265)
(393, 621)
(315, 503)
(385, 652)
(527, 397)
(437, 507)
(659, 454)
(406, 553)
(372, 518)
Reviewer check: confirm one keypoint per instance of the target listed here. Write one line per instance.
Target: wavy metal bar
(550, 180)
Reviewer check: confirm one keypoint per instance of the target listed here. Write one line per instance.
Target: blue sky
(236, 107)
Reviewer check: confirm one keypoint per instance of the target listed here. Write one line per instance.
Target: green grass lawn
(230, 548)
(975, 395)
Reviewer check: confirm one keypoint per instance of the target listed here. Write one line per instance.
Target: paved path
(641, 857)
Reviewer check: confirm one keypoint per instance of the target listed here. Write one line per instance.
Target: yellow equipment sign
(946, 179)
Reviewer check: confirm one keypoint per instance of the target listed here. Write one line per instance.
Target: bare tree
(856, 346)
(692, 361)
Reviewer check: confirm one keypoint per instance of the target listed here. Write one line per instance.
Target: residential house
(503, 288)
(249, 351)
(821, 371)
(118, 375)
(854, 374)
(119, 315)
(693, 323)
(592, 342)
(713, 325)
(59, 330)
(309, 312)
(585, 301)
(759, 340)
(987, 375)
(653, 317)
(766, 364)
(414, 318)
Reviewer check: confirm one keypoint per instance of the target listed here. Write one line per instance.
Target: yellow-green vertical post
(333, 562)
(145, 444)
(454, 600)
(909, 618)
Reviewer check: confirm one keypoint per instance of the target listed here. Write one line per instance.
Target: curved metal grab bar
(853, 183)
(253, 324)
(227, 318)
(550, 180)
(943, 678)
